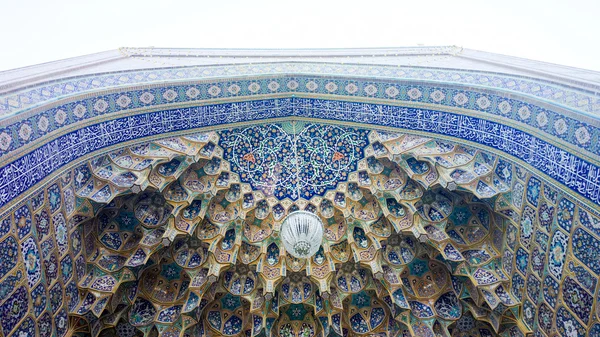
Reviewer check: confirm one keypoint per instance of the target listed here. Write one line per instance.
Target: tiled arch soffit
(556, 123)
(544, 133)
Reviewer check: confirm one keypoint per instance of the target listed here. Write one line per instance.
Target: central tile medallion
(295, 159)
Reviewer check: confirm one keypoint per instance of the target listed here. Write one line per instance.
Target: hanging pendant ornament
(302, 234)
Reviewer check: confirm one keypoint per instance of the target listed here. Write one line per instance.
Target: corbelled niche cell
(300, 199)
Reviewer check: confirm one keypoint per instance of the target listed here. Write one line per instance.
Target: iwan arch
(142, 193)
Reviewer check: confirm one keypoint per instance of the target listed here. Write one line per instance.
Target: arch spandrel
(440, 203)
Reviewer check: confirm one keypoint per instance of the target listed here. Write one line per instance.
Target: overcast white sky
(565, 32)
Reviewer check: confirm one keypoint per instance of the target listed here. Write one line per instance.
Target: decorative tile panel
(421, 223)
(578, 174)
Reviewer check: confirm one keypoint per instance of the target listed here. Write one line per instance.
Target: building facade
(143, 193)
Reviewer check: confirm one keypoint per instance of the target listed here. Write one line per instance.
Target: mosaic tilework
(14, 309)
(528, 115)
(561, 94)
(197, 180)
(423, 236)
(578, 174)
(387, 186)
(293, 163)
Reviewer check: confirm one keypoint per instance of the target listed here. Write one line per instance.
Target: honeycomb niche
(450, 199)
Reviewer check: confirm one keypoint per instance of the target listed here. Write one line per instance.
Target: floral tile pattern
(443, 224)
(381, 185)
